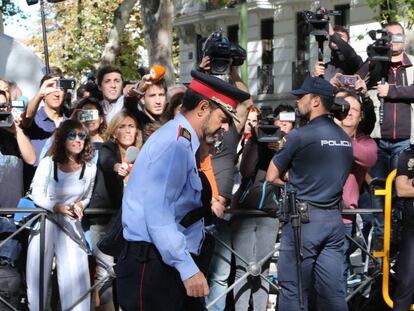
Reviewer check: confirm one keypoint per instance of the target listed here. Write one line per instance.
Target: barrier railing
(41, 215)
(385, 253)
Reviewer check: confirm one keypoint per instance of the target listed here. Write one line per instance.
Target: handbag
(113, 242)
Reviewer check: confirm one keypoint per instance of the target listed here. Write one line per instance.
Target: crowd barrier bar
(41, 214)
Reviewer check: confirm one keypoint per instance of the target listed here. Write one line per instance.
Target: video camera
(6, 118)
(380, 50)
(221, 51)
(318, 21)
(339, 108)
(267, 131)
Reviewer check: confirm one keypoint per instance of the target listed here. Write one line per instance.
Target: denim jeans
(220, 266)
(253, 239)
(388, 154)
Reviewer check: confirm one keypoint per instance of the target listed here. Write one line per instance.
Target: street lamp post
(43, 19)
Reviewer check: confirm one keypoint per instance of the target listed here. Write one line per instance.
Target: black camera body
(221, 51)
(380, 50)
(318, 21)
(267, 131)
(339, 108)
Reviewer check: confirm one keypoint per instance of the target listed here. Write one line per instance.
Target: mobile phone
(19, 105)
(348, 79)
(88, 115)
(287, 116)
(66, 84)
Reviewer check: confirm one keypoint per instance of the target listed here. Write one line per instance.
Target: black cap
(317, 86)
(225, 95)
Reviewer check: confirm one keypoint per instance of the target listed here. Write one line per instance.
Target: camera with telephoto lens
(221, 52)
(380, 50)
(318, 21)
(267, 131)
(340, 108)
(6, 118)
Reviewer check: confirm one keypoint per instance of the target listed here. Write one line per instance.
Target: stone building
(279, 50)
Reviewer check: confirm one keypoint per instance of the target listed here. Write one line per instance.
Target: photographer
(318, 157)
(393, 135)
(343, 60)
(364, 150)
(15, 148)
(40, 123)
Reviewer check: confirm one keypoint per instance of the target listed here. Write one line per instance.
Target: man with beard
(160, 269)
(318, 158)
(343, 60)
(393, 129)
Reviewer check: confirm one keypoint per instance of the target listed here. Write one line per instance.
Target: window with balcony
(265, 72)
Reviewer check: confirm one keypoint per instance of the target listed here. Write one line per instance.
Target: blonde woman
(122, 133)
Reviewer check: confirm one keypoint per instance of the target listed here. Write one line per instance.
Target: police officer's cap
(225, 95)
(317, 86)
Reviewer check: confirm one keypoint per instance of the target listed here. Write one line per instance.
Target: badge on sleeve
(410, 164)
(183, 132)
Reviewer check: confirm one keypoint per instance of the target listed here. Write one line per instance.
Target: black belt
(327, 206)
(143, 250)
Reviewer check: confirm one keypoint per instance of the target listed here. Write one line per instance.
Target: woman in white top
(63, 185)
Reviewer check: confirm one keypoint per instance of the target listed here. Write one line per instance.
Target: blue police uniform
(318, 157)
(163, 187)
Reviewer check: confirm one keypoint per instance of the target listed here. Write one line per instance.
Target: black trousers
(151, 285)
(404, 292)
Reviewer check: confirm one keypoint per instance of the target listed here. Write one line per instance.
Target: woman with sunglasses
(63, 185)
(113, 170)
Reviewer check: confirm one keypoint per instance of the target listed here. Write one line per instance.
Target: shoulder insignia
(410, 164)
(183, 132)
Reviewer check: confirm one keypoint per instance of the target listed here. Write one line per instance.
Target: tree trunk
(157, 17)
(1, 22)
(121, 18)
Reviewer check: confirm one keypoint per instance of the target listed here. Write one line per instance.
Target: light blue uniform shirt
(163, 187)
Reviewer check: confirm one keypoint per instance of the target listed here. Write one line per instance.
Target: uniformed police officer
(158, 269)
(318, 159)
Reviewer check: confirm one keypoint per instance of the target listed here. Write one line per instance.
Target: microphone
(157, 72)
(130, 156)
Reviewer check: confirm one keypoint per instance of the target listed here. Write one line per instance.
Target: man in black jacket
(343, 60)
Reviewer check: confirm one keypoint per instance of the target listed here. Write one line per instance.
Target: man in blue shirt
(158, 269)
(318, 158)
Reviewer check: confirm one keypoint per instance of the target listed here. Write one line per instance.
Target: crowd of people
(199, 151)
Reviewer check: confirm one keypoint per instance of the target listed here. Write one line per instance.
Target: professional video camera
(339, 108)
(318, 21)
(267, 131)
(380, 50)
(221, 51)
(318, 25)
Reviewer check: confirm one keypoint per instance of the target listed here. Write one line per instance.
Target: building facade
(279, 51)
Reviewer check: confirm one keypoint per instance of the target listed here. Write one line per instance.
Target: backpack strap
(55, 171)
(83, 171)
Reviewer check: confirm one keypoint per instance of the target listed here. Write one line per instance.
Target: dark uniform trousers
(146, 283)
(403, 296)
(322, 266)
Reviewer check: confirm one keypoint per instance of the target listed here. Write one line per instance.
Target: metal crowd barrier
(41, 215)
(253, 268)
(385, 253)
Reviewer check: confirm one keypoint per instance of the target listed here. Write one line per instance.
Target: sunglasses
(72, 135)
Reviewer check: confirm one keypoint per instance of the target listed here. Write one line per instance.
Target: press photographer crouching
(254, 237)
(15, 148)
(318, 157)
